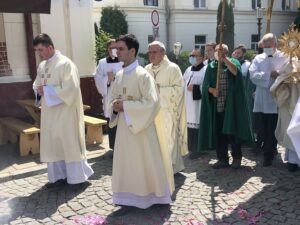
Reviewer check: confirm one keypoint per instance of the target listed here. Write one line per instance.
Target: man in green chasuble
(224, 117)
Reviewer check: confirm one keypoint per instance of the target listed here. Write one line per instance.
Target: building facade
(70, 24)
(194, 22)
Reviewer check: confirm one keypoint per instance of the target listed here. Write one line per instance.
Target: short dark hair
(43, 39)
(130, 41)
(242, 48)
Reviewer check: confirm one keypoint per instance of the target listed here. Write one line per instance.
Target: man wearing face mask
(104, 78)
(263, 72)
(193, 78)
(223, 119)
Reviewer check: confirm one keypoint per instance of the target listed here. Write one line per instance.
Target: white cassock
(293, 130)
(139, 176)
(62, 139)
(172, 115)
(104, 87)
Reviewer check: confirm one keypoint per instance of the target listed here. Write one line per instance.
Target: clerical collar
(198, 67)
(128, 69)
(52, 57)
(111, 60)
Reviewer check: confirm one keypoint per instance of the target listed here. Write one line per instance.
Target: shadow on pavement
(42, 203)
(155, 215)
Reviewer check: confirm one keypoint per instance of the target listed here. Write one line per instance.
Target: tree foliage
(229, 23)
(113, 21)
(101, 40)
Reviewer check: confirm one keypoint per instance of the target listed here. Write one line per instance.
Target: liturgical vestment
(139, 176)
(62, 137)
(172, 115)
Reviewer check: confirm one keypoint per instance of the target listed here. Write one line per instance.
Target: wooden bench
(94, 132)
(28, 133)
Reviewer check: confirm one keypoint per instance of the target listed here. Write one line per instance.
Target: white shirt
(245, 67)
(260, 75)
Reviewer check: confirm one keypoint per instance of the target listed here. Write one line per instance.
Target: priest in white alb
(139, 176)
(62, 139)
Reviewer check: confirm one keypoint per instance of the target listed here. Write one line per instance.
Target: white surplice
(193, 107)
(104, 87)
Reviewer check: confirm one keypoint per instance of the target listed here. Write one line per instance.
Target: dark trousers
(266, 126)
(257, 128)
(111, 135)
(223, 140)
(192, 139)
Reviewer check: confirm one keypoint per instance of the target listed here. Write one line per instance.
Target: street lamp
(176, 50)
(259, 16)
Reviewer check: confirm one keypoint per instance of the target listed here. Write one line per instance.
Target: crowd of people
(157, 115)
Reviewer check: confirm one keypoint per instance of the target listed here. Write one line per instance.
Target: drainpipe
(168, 15)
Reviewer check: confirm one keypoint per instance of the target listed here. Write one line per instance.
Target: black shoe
(267, 162)
(292, 167)
(194, 155)
(220, 165)
(236, 163)
(82, 185)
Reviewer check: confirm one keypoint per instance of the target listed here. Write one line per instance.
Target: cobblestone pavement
(250, 195)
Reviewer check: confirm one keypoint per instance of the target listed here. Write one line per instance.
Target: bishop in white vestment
(62, 139)
(170, 84)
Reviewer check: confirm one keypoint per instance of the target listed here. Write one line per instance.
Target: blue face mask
(193, 60)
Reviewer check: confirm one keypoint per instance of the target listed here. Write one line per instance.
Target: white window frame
(254, 43)
(286, 5)
(202, 44)
(151, 2)
(200, 4)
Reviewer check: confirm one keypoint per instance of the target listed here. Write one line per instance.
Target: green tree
(229, 25)
(113, 21)
(101, 40)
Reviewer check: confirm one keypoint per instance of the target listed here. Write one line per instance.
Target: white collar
(128, 69)
(54, 56)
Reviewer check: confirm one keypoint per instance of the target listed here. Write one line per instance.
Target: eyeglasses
(195, 56)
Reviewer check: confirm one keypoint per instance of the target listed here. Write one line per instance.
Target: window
(200, 41)
(150, 39)
(256, 3)
(254, 41)
(286, 5)
(200, 3)
(151, 2)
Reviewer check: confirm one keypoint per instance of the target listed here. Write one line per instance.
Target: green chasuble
(236, 114)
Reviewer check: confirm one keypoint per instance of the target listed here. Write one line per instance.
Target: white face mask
(269, 51)
(114, 52)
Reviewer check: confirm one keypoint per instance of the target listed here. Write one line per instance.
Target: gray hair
(160, 44)
(269, 37)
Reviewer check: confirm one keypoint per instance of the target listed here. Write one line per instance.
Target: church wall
(71, 28)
